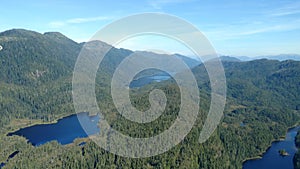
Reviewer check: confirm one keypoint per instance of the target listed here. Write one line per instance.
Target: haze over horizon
(138, 84)
(234, 28)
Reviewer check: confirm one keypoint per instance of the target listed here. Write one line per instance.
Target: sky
(234, 27)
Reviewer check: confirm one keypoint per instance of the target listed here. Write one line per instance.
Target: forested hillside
(296, 158)
(35, 74)
(263, 100)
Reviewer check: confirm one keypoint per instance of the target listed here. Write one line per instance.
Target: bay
(272, 159)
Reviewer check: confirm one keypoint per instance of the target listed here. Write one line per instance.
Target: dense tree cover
(263, 101)
(296, 158)
(36, 72)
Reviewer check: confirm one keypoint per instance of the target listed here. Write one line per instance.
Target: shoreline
(40, 122)
(35, 122)
(281, 138)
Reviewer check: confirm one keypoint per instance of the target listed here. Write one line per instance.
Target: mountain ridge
(36, 85)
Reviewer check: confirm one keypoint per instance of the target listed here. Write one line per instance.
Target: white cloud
(239, 31)
(285, 13)
(286, 10)
(264, 30)
(58, 24)
(91, 19)
(274, 28)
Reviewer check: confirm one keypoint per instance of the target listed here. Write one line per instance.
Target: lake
(64, 131)
(272, 159)
(147, 80)
(69, 128)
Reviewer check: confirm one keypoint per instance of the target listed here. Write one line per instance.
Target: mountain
(263, 95)
(28, 56)
(281, 57)
(35, 87)
(244, 58)
(229, 59)
(190, 62)
(260, 82)
(35, 74)
(32, 63)
(224, 59)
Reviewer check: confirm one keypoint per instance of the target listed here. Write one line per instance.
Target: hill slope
(36, 73)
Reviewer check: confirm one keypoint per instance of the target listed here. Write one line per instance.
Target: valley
(263, 95)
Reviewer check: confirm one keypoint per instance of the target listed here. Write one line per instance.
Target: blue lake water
(147, 80)
(69, 128)
(272, 159)
(12, 155)
(64, 131)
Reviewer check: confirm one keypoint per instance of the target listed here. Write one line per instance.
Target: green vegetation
(296, 158)
(36, 73)
(283, 152)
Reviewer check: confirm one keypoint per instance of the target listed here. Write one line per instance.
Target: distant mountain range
(36, 84)
(280, 57)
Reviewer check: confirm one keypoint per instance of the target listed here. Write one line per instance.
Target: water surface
(64, 131)
(147, 80)
(272, 159)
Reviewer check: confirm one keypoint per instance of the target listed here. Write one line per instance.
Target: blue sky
(234, 27)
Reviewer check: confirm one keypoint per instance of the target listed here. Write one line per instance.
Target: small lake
(272, 159)
(69, 128)
(64, 131)
(147, 80)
